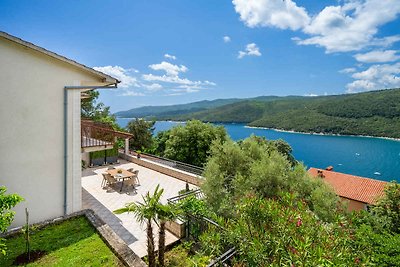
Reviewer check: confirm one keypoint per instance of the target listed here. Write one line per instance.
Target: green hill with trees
(176, 110)
(172, 110)
(375, 113)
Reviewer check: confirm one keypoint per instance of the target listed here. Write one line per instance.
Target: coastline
(322, 134)
(290, 131)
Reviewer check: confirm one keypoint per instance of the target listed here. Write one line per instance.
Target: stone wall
(177, 227)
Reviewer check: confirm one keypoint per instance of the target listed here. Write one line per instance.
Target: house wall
(32, 131)
(354, 205)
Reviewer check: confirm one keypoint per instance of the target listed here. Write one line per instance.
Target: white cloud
(153, 87)
(170, 56)
(124, 75)
(348, 70)
(170, 69)
(172, 77)
(342, 28)
(273, 13)
(134, 84)
(176, 80)
(378, 56)
(173, 94)
(352, 26)
(131, 93)
(186, 90)
(251, 50)
(226, 39)
(375, 77)
(311, 95)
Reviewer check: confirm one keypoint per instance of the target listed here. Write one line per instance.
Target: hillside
(374, 113)
(172, 110)
(176, 110)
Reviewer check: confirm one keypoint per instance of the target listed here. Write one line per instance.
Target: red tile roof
(352, 187)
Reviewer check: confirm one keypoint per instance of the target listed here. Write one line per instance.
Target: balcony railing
(95, 134)
(172, 163)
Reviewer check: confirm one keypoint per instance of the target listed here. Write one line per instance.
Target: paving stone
(104, 202)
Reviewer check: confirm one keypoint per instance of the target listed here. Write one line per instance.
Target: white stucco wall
(32, 130)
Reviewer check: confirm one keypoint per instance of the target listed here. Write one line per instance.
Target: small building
(358, 191)
(40, 115)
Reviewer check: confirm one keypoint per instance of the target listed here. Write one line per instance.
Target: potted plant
(119, 171)
(138, 153)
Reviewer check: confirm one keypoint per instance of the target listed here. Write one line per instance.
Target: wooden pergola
(96, 136)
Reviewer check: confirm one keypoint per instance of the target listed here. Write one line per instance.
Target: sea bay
(376, 158)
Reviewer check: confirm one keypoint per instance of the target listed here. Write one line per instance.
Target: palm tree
(146, 212)
(164, 213)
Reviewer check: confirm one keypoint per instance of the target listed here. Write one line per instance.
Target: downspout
(66, 88)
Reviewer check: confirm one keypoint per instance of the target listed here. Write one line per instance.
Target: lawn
(74, 242)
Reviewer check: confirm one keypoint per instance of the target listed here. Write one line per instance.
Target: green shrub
(257, 166)
(282, 231)
(7, 202)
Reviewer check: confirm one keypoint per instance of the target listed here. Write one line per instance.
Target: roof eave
(105, 77)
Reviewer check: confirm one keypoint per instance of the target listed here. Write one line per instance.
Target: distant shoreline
(323, 134)
(289, 131)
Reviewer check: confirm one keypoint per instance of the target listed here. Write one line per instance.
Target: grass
(74, 242)
(181, 256)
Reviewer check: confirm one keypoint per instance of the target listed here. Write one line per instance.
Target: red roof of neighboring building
(352, 187)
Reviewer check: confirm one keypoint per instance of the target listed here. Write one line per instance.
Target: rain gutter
(66, 88)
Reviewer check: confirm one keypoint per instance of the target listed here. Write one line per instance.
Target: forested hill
(375, 113)
(174, 110)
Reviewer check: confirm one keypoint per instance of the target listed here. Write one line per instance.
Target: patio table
(120, 176)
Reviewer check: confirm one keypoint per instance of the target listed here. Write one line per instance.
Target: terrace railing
(174, 164)
(224, 259)
(196, 225)
(196, 193)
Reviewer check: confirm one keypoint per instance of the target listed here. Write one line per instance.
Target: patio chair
(131, 182)
(109, 180)
(135, 174)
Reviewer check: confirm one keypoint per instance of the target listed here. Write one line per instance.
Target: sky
(179, 51)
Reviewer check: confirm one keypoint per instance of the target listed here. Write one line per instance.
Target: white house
(40, 117)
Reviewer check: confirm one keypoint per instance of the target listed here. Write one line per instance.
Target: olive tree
(237, 169)
(142, 133)
(191, 143)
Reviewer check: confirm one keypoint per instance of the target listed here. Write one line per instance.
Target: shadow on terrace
(104, 200)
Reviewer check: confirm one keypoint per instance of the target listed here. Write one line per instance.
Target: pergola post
(126, 146)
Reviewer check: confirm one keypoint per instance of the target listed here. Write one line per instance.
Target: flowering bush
(282, 231)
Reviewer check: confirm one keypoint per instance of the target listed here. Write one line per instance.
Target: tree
(387, 208)
(159, 143)
(191, 143)
(237, 169)
(7, 202)
(142, 133)
(97, 111)
(146, 212)
(165, 212)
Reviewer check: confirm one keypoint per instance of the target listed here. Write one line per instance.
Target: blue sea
(363, 156)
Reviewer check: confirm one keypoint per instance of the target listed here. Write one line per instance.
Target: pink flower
(299, 222)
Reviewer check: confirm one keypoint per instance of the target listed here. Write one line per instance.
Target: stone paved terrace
(104, 201)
